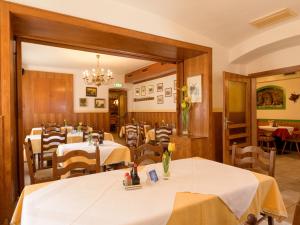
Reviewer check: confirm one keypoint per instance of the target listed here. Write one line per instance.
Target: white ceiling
(48, 56)
(224, 21)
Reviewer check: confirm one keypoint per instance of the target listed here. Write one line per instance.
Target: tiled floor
(287, 175)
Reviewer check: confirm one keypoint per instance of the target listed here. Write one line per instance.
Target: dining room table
(72, 137)
(39, 130)
(198, 191)
(271, 129)
(110, 152)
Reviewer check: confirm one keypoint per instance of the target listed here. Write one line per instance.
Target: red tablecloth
(282, 133)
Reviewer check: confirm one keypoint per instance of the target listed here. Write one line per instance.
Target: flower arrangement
(65, 122)
(79, 126)
(166, 158)
(186, 104)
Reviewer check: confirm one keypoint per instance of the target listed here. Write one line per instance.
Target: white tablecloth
(105, 149)
(272, 129)
(101, 199)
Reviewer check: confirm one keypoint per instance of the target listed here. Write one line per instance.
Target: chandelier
(97, 76)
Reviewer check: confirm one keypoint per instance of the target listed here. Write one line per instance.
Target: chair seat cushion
(43, 174)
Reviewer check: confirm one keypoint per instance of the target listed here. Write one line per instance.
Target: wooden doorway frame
(21, 23)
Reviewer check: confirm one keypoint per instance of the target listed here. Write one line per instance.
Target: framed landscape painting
(194, 85)
(160, 87)
(91, 91)
(82, 102)
(100, 103)
(168, 92)
(150, 89)
(137, 92)
(160, 99)
(270, 97)
(143, 91)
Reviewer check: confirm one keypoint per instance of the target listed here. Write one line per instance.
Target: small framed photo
(160, 87)
(152, 176)
(150, 89)
(160, 99)
(82, 102)
(143, 91)
(175, 85)
(137, 92)
(168, 92)
(91, 91)
(100, 103)
(174, 98)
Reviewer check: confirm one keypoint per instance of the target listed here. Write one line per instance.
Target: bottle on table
(134, 176)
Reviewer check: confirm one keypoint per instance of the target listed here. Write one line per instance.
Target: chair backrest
(131, 135)
(30, 160)
(73, 160)
(162, 135)
(53, 128)
(252, 157)
(148, 154)
(142, 132)
(50, 142)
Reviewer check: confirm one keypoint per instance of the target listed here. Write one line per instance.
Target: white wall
(151, 106)
(291, 84)
(278, 59)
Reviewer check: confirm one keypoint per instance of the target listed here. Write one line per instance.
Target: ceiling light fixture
(97, 76)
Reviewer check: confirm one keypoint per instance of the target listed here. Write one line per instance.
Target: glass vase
(166, 159)
(185, 123)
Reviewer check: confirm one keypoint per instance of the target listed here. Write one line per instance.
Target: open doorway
(117, 109)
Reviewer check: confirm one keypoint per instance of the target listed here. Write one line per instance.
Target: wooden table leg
(270, 220)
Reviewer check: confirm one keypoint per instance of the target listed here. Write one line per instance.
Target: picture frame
(150, 89)
(143, 91)
(175, 85)
(137, 91)
(168, 92)
(82, 102)
(270, 97)
(100, 103)
(160, 87)
(160, 99)
(194, 85)
(174, 97)
(91, 91)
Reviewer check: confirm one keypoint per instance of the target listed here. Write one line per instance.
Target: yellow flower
(171, 147)
(184, 88)
(183, 105)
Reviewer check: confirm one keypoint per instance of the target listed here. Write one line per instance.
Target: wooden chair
(252, 220)
(142, 133)
(254, 158)
(294, 139)
(49, 144)
(148, 154)
(36, 176)
(96, 134)
(131, 136)
(162, 135)
(53, 128)
(266, 140)
(76, 167)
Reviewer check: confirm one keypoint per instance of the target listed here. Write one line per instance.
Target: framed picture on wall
(143, 91)
(91, 91)
(168, 92)
(175, 85)
(160, 87)
(174, 98)
(194, 84)
(82, 102)
(100, 103)
(137, 92)
(160, 99)
(150, 89)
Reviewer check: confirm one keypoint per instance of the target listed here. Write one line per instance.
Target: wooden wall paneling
(48, 97)
(179, 82)
(154, 117)
(218, 133)
(8, 182)
(253, 113)
(183, 147)
(150, 72)
(201, 121)
(20, 128)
